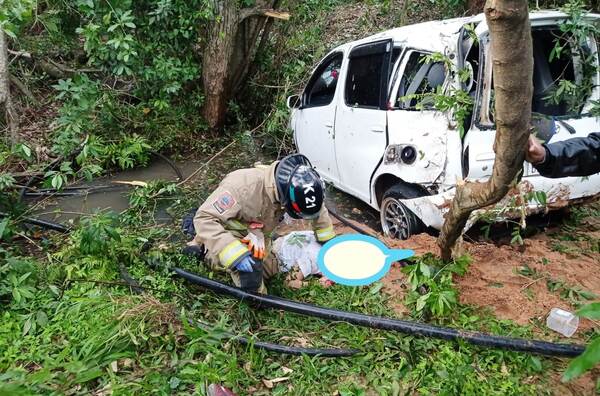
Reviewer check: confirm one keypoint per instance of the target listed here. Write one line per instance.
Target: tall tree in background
(5, 96)
(512, 59)
(235, 36)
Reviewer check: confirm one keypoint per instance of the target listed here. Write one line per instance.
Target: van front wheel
(397, 221)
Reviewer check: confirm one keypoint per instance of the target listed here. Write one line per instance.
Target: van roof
(437, 35)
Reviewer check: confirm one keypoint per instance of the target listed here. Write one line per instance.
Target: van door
(315, 119)
(361, 121)
(552, 119)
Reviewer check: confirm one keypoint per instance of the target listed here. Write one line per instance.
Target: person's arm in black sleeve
(573, 157)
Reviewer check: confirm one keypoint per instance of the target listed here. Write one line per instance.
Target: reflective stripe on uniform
(231, 253)
(325, 234)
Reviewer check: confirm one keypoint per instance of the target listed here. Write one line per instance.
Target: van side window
(363, 83)
(321, 89)
(419, 78)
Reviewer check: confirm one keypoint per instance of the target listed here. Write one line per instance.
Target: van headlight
(400, 153)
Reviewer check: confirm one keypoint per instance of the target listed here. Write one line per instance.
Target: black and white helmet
(300, 187)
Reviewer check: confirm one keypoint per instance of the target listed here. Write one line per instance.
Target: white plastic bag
(298, 248)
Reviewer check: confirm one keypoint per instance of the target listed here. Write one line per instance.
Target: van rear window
(363, 83)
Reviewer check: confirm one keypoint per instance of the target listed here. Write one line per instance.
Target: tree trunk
(512, 59)
(232, 44)
(216, 62)
(5, 97)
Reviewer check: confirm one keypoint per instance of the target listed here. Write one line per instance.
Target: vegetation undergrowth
(70, 325)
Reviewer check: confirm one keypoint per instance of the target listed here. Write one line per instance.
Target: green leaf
(376, 288)
(425, 270)
(422, 301)
(89, 375)
(584, 362)
(41, 318)
(590, 311)
(57, 181)
(535, 363)
(27, 326)
(54, 290)
(16, 295)
(3, 227)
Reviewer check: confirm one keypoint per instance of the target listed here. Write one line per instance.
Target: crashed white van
(360, 124)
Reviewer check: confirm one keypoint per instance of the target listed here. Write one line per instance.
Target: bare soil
(493, 279)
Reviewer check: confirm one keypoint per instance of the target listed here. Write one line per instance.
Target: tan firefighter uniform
(245, 196)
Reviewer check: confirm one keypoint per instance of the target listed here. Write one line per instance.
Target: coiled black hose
(407, 327)
(403, 326)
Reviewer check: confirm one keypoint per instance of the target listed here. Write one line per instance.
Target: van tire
(397, 221)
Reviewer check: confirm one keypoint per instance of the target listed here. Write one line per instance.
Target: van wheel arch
(406, 190)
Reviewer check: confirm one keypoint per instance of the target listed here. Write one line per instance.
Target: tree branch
(24, 90)
(263, 12)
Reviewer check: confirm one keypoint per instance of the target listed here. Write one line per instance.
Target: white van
(360, 123)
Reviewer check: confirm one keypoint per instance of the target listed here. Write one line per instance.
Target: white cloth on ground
(298, 248)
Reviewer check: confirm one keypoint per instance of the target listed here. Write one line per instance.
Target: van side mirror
(293, 102)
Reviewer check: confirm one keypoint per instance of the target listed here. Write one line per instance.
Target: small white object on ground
(563, 322)
(298, 248)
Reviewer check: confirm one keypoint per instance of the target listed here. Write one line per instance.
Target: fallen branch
(264, 12)
(511, 49)
(204, 165)
(50, 67)
(24, 90)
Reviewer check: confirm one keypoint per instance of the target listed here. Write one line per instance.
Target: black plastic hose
(345, 221)
(376, 322)
(285, 349)
(171, 164)
(42, 223)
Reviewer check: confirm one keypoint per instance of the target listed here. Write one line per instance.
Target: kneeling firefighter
(235, 223)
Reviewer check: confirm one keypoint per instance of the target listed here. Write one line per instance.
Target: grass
(81, 332)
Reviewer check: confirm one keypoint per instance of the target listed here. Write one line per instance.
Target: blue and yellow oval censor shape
(358, 260)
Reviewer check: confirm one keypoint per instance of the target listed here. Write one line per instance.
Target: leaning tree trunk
(512, 59)
(5, 97)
